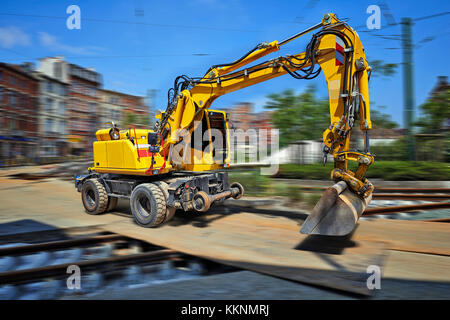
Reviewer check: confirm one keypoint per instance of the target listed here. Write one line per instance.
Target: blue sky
(147, 51)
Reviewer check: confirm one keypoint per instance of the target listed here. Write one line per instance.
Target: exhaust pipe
(202, 201)
(336, 213)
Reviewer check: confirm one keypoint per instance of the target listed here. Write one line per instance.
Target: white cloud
(52, 43)
(13, 36)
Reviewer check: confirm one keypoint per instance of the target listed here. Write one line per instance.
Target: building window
(13, 99)
(61, 127)
(48, 125)
(49, 105)
(12, 124)
(62, 108)
(57, 70)
(48, 87)
(114, 100)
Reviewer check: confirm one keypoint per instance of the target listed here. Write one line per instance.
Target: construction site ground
(276, 261)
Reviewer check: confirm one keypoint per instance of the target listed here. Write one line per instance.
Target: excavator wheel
(170, 211)
(94, 197)
(148, 205)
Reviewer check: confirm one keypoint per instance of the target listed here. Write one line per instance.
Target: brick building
(18, 112)
(83, 107)
(55, 109)
(124, 109)
(263, 121)
(242, 117)
(53, 91)
(52, 116)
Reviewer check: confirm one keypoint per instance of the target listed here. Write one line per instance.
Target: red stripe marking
(143, 153)
(339, 48)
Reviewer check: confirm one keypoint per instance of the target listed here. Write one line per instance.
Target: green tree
(382, 120)
(434, 119)
(382, 69)
(305, 117)
(129, 119)
(298, 116)
(435, 113)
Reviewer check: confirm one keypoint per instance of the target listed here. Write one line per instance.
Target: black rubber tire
(170, 211)
(112, 204)
(94, 196)
(148, 205)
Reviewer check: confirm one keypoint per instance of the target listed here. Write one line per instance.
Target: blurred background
(67, 68)
(59, 84)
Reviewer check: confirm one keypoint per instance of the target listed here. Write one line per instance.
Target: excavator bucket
(336, 213)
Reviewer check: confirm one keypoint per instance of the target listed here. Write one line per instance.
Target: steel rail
(61, 244)
(411, 190)
(38, 274)
(411, 196)
(415, 207)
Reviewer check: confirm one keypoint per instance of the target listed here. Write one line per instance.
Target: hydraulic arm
(335, 49)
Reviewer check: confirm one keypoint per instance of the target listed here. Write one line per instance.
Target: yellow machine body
(129, 154)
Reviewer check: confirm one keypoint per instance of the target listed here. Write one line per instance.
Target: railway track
(102, 258)
(436, 198)
(432, 198)
(395, 209)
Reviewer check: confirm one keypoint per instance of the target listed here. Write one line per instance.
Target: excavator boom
(336, 50)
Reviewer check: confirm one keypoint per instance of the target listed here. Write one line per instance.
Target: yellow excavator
(180, 164)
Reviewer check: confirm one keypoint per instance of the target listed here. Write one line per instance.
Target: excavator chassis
(154, 200)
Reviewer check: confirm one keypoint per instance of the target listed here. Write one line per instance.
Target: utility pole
(408, 84)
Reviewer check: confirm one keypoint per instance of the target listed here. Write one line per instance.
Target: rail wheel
(148, 205)
(94, 196)
(201, 201)
(240, 188)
